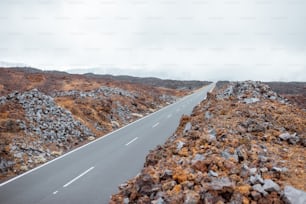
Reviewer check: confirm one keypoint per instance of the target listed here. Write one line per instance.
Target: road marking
(101, 138)
(155, 125)
(55, 192)
(169, 116)
(133, 140)
(211, 89)
(79, 176)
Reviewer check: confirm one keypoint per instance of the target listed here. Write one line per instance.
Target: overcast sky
(179, 39)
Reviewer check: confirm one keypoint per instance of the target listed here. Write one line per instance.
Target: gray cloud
(208, 40)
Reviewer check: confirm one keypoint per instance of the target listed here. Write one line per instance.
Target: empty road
(91, 173)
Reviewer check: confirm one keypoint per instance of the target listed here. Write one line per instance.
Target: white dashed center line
(79, 176)
(55, 192)
(155, 125)
(133, 140)
(169, 116)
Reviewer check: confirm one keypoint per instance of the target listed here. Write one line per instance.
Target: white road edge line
(212, 89)
(133, 140)
(101, 138)
(79, 176)
(154, 126)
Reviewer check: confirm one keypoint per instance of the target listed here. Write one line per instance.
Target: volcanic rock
(246, 162)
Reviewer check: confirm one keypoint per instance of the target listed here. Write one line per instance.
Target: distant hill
(153, 81)
(294, 91)
(288, 87)
(25, 78)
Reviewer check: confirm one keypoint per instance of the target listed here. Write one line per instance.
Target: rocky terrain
(45, 114)
(294, 91)
(244, 144)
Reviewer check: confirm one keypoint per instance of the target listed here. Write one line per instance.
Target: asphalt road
(91, 173)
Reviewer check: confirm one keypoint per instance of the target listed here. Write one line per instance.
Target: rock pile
(46, 119)
(97, 93)
(45, 132)
(244, 144)
(250, 92)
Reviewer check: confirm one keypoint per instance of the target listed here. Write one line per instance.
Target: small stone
(241, 153)
(56, 153)
(180, 176)
(24, 168)
(197, 157)
(294, 196)
(191, 197)
(244, 190)
(251, 100)
(168, 185)
(212, 135)
(253, 171)
(270, 186)
(208, 115)
(167, 174)
(285, 136)
(255, 195)
(219, 183)
(264, 169)
(115, 124)
(18, 155)
(256, 179)
(158, 201)
(126, 201)
(245, 200)
(262, 158)
(180, 145)
(187, 127)
(91, 138)
(40, 159)
(227, 155)
(137, 115)
(277, 169)
(212, 173)
(294, 140)
(13, 148)
(259, 189)
(184, 152)
(177, 189)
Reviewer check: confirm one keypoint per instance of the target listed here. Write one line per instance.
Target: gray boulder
(270, 186)
(294, 196)
(187, 127)
(259, 189)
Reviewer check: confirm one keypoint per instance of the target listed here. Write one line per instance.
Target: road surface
(93, 172)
